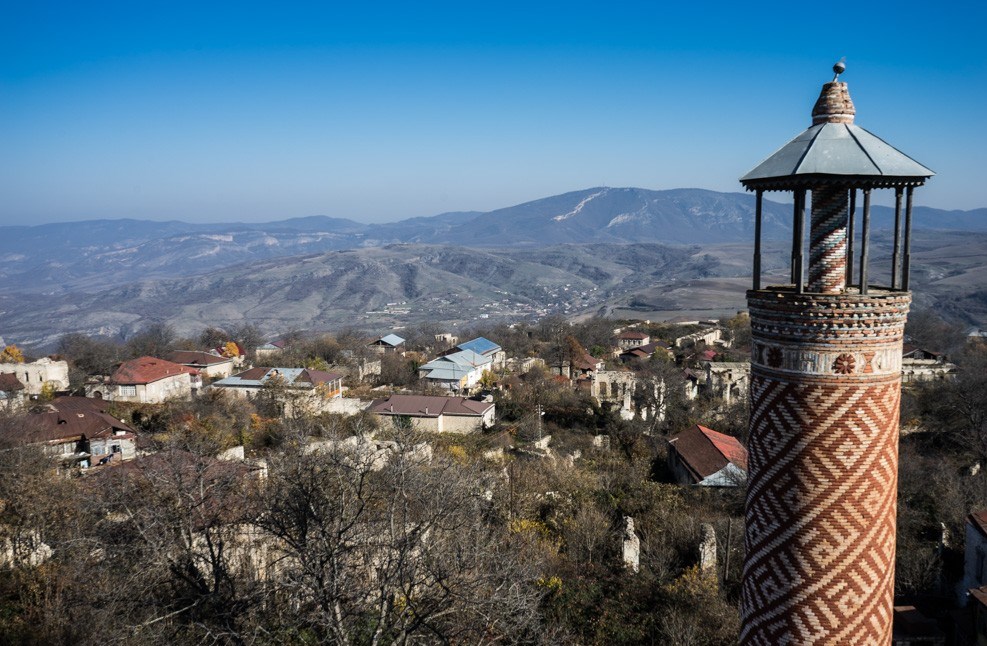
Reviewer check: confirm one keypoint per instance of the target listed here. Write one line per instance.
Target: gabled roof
(392, 340)
(9, 382)
(464, 358)
(480, 345)
(429, 406)
(71, 418)
(704, 452)
(146, 370)
(197, 358)
(257, 377)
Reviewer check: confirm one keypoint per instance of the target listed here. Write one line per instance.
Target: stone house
(147, 380)
(632, 339)
(33, 376)
(728, 380)
(438, 414)
(701, 456)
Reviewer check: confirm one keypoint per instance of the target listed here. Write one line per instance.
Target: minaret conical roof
(834, 150)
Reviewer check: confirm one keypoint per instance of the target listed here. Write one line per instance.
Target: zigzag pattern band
(827, 241)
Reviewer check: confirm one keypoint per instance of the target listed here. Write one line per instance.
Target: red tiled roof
(9, 382)
(429, 406)
(195, 357)
(145, 370)
(704, 451)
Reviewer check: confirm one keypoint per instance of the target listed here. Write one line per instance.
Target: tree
(397, 553)
(11, 354)
(155, 340)
(213, 337)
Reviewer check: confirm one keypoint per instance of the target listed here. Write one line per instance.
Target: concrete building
(727, 380)
(825, 387)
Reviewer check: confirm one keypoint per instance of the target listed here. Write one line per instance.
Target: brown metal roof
(429, 406)
(197, 358)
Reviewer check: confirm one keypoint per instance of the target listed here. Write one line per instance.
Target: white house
(147, 380)
(438, 414)
(300, 389)
(457, 371)
(209, 365)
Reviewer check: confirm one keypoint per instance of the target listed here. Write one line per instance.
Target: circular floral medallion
(844, 364)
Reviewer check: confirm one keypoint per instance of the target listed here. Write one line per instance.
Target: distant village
(615, 451)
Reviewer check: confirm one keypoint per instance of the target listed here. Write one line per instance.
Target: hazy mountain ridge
(355, 287)
(93, 255)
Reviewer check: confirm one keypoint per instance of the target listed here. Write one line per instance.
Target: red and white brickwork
(825, 389)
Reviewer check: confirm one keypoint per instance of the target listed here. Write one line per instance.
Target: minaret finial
(839, 68)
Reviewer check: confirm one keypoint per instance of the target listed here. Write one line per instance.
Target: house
(147, 380)
(35, 375)
(709, 336)
(646, 351)
(918, 364)
(12, 392)
(485, 348)
(298, 390)
(388, 343)
(701, 456)
(438, 414)
(447, 339)
(209, 365)
(78, 432)
(457, 371)
(728, 380)
(632, 339)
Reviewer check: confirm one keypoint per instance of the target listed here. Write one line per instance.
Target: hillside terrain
(623, 252)
(94, 255)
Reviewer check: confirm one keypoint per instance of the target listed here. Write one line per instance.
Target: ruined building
(824, 386)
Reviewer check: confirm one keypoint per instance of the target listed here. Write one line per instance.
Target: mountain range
(582, 251)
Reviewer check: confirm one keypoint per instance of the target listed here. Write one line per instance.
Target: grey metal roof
(836, 150)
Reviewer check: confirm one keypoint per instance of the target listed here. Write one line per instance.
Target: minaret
(825, 387)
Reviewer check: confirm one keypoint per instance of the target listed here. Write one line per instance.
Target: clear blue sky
(381, 111)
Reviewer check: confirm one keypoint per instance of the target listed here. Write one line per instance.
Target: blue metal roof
(480, 345)
(391, 339)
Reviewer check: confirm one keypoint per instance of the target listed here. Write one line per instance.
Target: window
(127, 391)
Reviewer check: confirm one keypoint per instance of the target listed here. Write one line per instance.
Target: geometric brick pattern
(827, 241)
(820, 511)
(822, 466)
